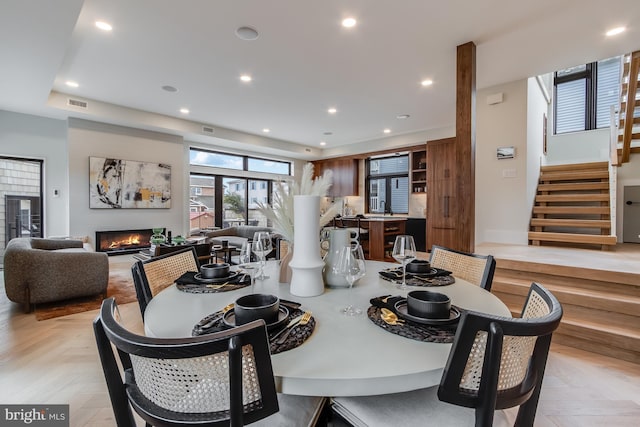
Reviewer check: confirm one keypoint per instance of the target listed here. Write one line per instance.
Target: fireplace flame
(134, 239)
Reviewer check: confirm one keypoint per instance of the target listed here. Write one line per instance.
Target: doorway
(631, 214)
(20, 200)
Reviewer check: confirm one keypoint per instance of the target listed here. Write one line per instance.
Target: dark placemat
(297, 337)
(414, 331)
(438, 278)
(188, 283)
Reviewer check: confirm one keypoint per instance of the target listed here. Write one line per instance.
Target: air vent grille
(207, 129)
(77, 103)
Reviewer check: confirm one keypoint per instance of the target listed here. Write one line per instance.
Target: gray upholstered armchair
(45, 270)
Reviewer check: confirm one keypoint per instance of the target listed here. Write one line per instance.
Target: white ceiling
(302, 63)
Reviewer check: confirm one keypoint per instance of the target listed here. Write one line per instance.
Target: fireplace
(120, 242)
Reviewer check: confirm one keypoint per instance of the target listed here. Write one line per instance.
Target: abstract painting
(127, 184)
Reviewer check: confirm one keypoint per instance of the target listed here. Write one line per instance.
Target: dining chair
(474, 268)
(218, 379)
(494, 363)
(153, 275)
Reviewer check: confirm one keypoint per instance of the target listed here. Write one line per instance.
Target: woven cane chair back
(153, 275)
(518, 346)
(476, 269)
(193, 378)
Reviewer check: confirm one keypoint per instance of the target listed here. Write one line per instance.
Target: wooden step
(570, 222)
(583, 197)
(574, 166)
(572, 210)
(633, 136)
(595, 347)
(636, 121)
(575, 186)
(573, 175)
(623, 105)
(589, 239)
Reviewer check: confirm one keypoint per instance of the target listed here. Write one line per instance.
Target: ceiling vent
(207, 130)
(77, 103)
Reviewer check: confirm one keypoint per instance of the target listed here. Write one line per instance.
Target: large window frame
(573, 102)
(373, 207)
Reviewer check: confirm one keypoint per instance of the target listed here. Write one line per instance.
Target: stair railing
(613, 170)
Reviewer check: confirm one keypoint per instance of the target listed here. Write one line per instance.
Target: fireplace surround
(120, 242)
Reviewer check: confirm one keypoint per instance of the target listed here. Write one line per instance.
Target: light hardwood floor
(55, 361)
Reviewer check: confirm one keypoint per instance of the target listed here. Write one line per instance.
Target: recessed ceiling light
(246, 33)
(332, 110)
(184, 110)
(323, 143)
(104, 26)
(169, 88)
(426, 82)
(402, 116)
(387, 130)
(246, 78)
(615, 31)
(266, 130)
(349, 22)
(71, 84)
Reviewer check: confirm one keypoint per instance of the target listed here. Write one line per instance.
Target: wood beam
(465, 145)
(629, 109)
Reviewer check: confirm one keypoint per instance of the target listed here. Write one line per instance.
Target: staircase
(572, 206)
(629, 126)
(601, 308)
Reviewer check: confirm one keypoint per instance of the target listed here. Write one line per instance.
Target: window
(388, 184)
(269, 166)
(201, 157)
(584, 95)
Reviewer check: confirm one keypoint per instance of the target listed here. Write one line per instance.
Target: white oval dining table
(345, 356)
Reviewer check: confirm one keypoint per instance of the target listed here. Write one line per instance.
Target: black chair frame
(487, 277)
(125, 394)
(488, 398)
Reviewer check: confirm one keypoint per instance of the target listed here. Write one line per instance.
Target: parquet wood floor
(55, 361)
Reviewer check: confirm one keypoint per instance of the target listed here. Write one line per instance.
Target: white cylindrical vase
(306, 264)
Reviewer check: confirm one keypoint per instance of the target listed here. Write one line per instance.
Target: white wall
(88, 139)
(34, 137)
(536, 109)
(577, 147)
(502, 208)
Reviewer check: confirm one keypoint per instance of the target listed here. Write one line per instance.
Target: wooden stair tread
(573, 175)
(584, 197)
(575, 210)
(572, 238)
(570, 222)
(574, 166)
(635, 135)
(574, 186)
(628, 334)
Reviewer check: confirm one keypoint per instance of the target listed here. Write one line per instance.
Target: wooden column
(465, 145)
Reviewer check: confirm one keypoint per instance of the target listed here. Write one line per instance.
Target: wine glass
(261, 247)
(246, 263)
(351, 265)
(404, 250)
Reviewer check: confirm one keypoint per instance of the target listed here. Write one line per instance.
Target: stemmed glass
(261, 247)
(245, 262)
(351, 265)
(404, 250)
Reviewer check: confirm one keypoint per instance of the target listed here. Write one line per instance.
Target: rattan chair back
(223, 378)
(498, 362)
(153, 275)
(474, 268)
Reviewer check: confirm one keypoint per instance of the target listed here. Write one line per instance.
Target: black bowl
(256, 306)
(429, 305)
(419, 266)
(214, 271)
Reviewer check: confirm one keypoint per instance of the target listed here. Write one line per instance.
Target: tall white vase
(306, 264)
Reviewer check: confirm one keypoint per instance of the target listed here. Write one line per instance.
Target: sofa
(236, 236)
(39, 270)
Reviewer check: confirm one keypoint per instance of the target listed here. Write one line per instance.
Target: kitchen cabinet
(382, 235)
(419, 171)
(345, 175)
(441, 197)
